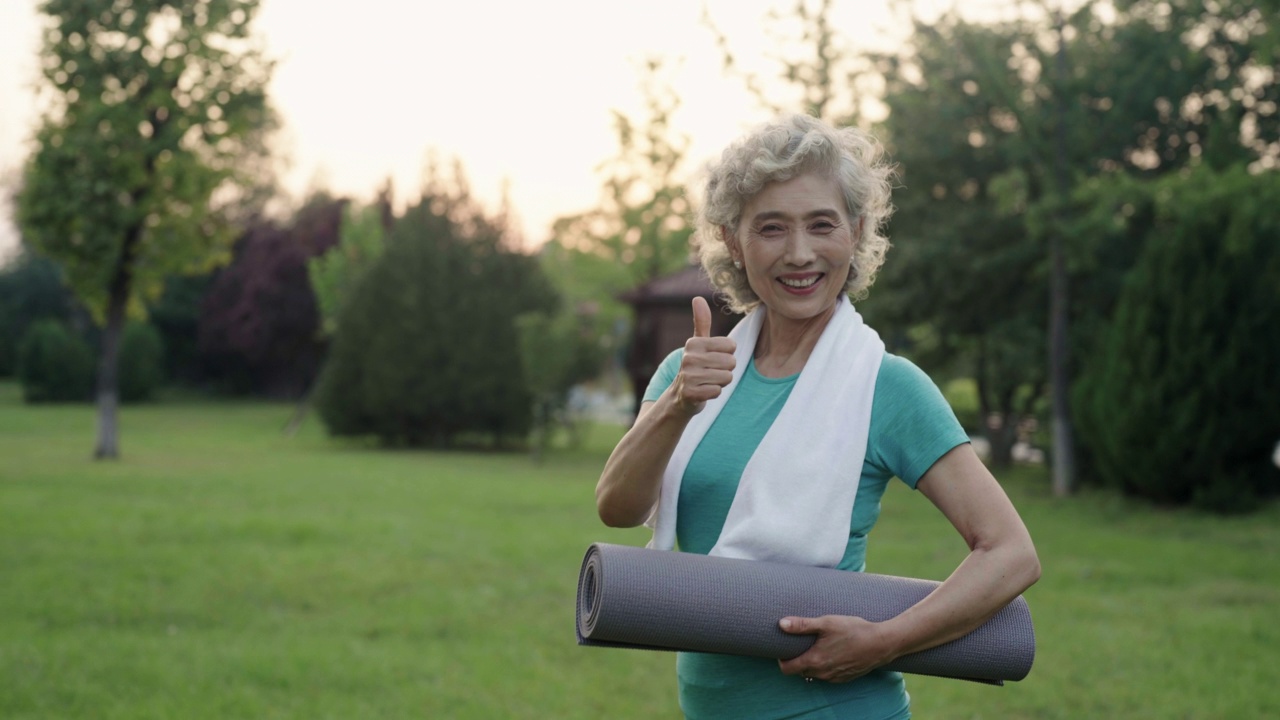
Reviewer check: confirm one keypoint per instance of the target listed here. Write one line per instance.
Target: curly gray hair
(778, 151)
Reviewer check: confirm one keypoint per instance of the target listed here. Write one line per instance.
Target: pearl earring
(737, 264)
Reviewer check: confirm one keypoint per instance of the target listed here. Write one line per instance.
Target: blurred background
(356, 302)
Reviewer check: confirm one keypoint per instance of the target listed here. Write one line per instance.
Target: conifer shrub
(54, 364)
(1180, 403)
(142, 361)
(31, 289)
(426, 347)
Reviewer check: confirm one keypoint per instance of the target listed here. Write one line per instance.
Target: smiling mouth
(801, 283)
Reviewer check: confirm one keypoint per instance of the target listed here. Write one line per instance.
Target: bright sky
(520, 92)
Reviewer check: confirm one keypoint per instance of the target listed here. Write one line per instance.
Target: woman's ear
(730, 241)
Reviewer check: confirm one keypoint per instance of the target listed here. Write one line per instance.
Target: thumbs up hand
(707, 365)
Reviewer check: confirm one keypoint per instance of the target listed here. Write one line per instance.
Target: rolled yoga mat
(631, 597)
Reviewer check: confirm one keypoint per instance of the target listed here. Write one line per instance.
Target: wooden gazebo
(664, 320)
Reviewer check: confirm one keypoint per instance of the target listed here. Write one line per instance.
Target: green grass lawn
(222, 570)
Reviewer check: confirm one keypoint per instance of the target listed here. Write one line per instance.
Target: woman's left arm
(1001, 564)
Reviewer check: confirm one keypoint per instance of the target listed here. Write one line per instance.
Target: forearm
(631, 481)
(847, 647)
(1001, 564)
(984, 583)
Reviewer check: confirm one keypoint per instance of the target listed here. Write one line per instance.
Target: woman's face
(795, 241)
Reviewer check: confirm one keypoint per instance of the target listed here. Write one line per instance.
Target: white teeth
(807, 282)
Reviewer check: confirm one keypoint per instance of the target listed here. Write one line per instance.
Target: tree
(31, 289)
(259, 318)
(336, 273)
(141, 363)
(559, 350)
(984, 328)
(643, 222)
(1179, 399)
(822, 75)
(176, 316)
(156, 127)
(993, 139)
(54, 364)
(963, 264)
(639, 231)
(994, 124)
(427, 347)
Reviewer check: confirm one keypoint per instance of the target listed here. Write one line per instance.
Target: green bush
(962, 395)
(1181, 402)
(141, 363)
(54, 364)
(426, 347)
(31, 289)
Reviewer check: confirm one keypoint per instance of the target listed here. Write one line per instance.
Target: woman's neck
(784, 344)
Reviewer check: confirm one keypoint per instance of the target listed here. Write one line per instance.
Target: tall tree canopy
(643, 222)
(993, 129)
(992, 138)
(154, 134)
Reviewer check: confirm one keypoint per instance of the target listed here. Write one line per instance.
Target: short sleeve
(664, 375)
(912, 426)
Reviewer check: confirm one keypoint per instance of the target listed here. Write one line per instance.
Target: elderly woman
(777, 442)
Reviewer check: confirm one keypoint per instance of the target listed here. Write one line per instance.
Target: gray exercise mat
(631, 597)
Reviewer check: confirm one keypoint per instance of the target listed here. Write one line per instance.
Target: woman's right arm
(632, 479)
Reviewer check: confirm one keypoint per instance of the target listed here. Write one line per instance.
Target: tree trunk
(1064, 470)
(109, 364)
(1002, 439)
(108, 390)
(300, 411)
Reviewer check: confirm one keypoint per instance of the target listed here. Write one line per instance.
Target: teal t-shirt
(911, 427)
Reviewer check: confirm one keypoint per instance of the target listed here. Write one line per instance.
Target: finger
(709, 389)
(699, 359)
(719, 344)
(701, 318)
(799, 625)
(799, 665)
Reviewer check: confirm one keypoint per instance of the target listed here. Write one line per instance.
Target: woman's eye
(824, 226)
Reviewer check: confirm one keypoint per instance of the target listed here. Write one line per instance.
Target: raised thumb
(701, 318)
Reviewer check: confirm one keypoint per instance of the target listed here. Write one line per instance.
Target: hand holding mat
(632, 597)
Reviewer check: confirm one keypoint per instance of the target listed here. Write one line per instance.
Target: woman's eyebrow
(780, 215)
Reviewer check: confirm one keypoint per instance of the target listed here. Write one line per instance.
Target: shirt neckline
(755, 375)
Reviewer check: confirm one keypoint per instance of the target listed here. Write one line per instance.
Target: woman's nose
(799, 249)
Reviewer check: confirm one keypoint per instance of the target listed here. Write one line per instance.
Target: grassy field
(222, 570)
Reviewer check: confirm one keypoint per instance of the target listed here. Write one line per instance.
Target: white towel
(795, 498)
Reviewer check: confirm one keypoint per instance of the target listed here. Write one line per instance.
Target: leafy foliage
(31, 289)
(141, 363)
(335, 273)
(427, 348)
(975, 112)
(1178, 403)
(823, 76)
(559, 350)
(259, 321)
(643, 222)
(639, 231)
(176, 317)
(153, 140)
(156, 105)
(54, 364)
